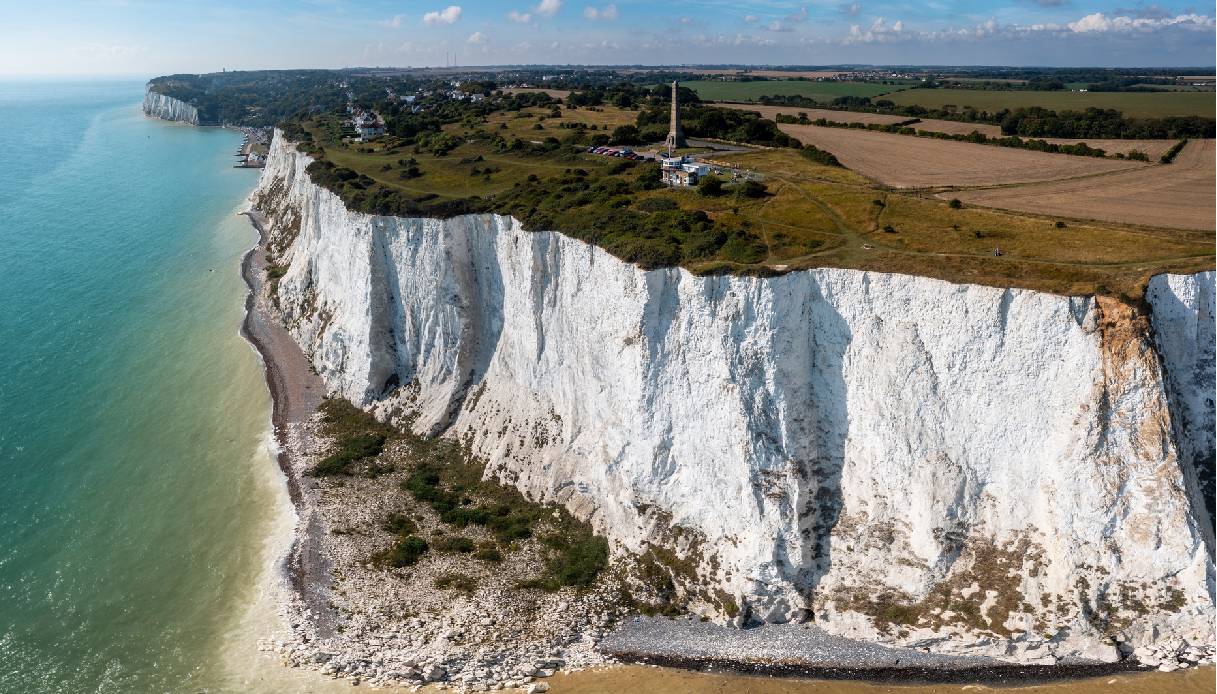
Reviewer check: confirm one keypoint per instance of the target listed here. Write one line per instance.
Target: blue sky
(147, 37)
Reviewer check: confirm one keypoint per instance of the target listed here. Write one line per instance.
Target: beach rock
(434, 673)
(537, 688)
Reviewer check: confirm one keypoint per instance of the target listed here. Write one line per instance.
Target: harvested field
(1178, 195)
(555, 93)
(902, 161)
(929, 124)
(1154, 149)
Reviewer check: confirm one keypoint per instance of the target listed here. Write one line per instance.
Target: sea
(137, 484)
(141, 510)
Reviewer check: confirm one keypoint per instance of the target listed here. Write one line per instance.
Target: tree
(752, 189)
(711, 186)
(625, 135)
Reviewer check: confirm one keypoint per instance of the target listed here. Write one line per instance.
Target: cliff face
(959, 467)
(169, 108)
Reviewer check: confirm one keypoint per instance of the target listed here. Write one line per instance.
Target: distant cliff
(168, 108)
(962, 468)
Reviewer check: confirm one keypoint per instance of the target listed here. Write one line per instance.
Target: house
(369, 130)
(682, 171)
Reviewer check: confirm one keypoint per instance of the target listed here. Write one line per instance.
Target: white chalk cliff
(166, 107)
(830, 442)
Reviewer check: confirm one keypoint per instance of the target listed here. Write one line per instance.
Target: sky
(152, 37)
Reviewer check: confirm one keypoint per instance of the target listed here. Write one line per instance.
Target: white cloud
(519, 17)
(1099, 23)
(448, 15)
(394, 21)
(548, 8)
(477, 38)
(607, 13)
(879, 32)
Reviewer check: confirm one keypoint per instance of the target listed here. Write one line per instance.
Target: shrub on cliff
(405, 552)
(350, 450)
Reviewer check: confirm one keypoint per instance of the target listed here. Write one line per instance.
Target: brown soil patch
(1178, 195)
(904, 161)
(928, 125)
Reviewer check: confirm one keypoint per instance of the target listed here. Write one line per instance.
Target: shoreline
(296, 391)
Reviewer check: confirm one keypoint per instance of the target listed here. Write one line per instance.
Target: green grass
(812, 216)
(358, 435)
(1131, 104)
(717, 90)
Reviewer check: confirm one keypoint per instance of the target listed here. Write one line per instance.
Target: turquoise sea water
(134, 493)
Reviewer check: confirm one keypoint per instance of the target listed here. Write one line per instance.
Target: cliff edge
(166, 107)
(958, 468)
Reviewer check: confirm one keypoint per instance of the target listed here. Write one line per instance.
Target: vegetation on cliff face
(441, 477)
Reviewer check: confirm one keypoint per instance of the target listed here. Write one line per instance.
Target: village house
(682, 171)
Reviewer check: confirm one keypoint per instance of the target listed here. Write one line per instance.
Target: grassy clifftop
(531, 163)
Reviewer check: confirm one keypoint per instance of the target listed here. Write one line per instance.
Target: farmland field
(1133, 104)
(1154, 149)
(714, 90)
(928, 124)
(903, 161)
(780, 74)
(1177, 195)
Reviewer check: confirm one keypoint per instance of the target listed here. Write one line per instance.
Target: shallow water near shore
(136, 485)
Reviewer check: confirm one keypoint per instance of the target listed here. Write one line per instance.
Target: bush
(625, 135)
(489, 553)
(657, 205)
(955, 204)
(711, 186)
(407, 551)
(820, 156)
(399, 524)
(578, 563)
(752, 189)
(456, 581)
(350, 450)
(1173, 152)
(454, 543)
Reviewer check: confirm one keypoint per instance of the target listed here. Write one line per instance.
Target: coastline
(296, 392)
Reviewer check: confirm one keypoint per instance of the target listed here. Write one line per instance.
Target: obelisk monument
(676, 136)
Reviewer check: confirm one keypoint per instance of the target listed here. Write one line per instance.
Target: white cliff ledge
(830, 443)
(168, 108)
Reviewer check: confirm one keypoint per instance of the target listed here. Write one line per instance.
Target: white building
(682, 171)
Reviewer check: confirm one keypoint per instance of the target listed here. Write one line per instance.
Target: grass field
(814, 215)
(715, 90)
(1132, 104)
